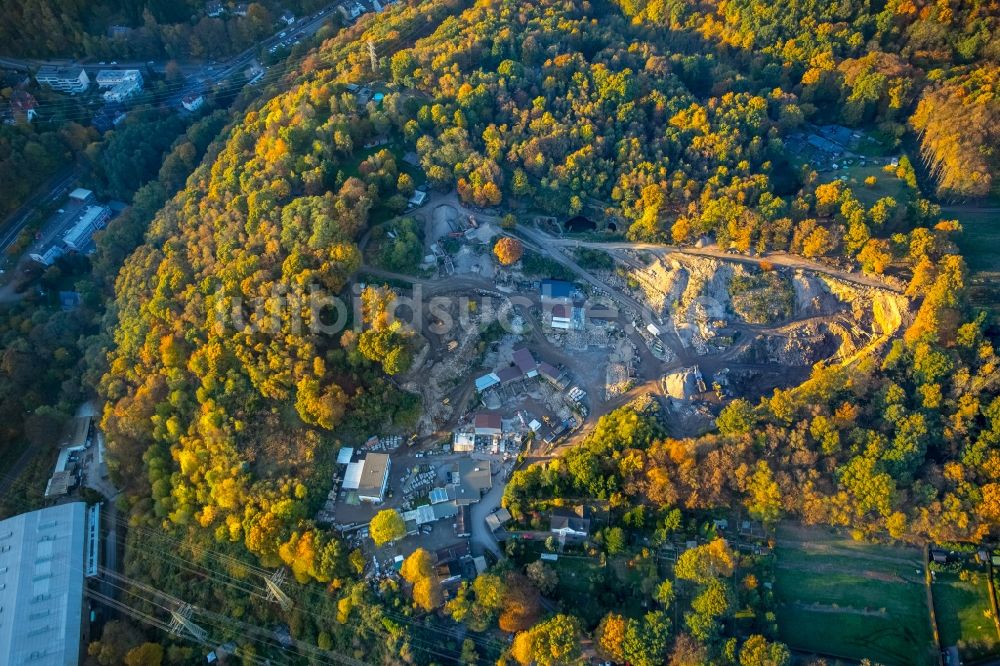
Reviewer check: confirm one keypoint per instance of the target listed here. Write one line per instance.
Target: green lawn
(979, 240)
(962, 615)
(979, 243)
(886, 184)
(843, 598)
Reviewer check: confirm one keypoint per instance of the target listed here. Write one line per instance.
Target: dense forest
(147, 29)
(224, 407)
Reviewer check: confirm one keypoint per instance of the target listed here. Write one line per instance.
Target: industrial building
(556, 291)
(463, 442)
(72, 80)
(44, 558)
(488, 424)
(369, 477)
(76, 438)
(469, 479)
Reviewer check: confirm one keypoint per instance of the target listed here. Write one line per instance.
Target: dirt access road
(783, 259)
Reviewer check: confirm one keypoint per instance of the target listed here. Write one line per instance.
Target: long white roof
(352, 475)
(41, 586)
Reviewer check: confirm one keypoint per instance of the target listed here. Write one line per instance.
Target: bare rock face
(788, 317)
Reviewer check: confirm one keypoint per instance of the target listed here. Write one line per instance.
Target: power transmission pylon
(274, 591)
(181, 623)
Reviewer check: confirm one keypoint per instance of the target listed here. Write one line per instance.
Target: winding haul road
(547, 242)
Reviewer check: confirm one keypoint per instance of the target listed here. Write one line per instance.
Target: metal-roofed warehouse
(41, 586)
(374, 477)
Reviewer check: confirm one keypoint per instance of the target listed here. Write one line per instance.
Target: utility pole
(274, 591)
(373, 55)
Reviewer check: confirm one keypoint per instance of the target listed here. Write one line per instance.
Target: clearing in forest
(838, 597)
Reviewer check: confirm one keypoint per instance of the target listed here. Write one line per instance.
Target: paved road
(49, 191)
(482, 537)
(308, 25)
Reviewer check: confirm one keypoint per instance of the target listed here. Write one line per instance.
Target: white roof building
(463, 442)
(106, 78)
(67, 79)
(48, 257)
(192, 102)
(81, 194)
(122, 91)
(41, 586)
(81, 234)
(352, 475)
(418, 199)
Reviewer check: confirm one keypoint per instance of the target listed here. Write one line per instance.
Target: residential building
(418, 199)
(119, 31)
(81, 235)
(570, 523)
(240, 9)
(488, 424)
(71, 80)
(109, 78)
(355, 10)
(10, 78)
(287, 17)
(192, 102)
(121, 83)
(374, 478)
(23, 106)
(43, 562)
(110, 116)
(213, 8)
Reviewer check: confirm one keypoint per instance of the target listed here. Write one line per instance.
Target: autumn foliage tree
(555, 642)
(418, 570)
(521, 604)
(386, 526)
(508, 250)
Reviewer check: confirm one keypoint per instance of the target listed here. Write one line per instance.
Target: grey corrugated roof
(41, 586)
